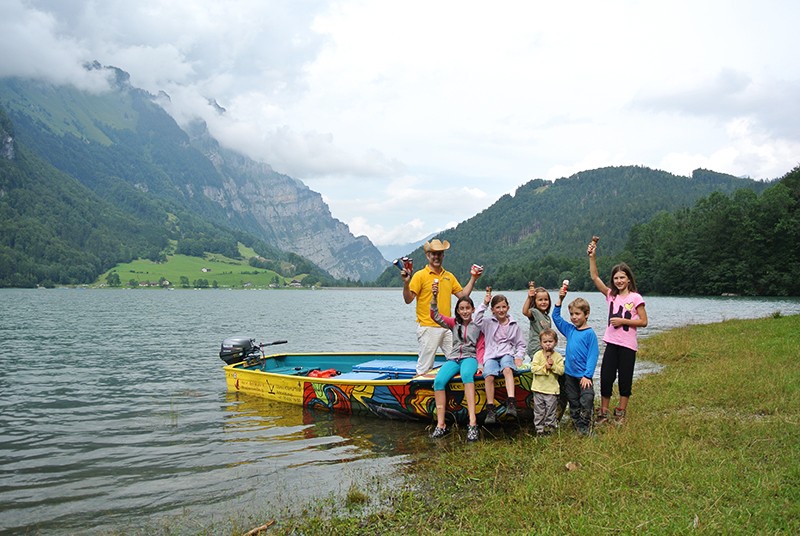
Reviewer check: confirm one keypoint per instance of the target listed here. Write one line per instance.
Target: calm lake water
(115, 414)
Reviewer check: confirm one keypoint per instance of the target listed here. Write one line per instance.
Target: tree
(113, 280)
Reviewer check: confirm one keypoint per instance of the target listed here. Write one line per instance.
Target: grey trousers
(544, 411)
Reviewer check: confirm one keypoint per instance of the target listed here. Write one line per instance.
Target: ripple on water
(115, 411)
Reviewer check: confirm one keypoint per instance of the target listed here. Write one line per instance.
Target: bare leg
(469, 392)
(605, 401)
(623, 403)
(508, 374)
(489, 383)
(441, 401)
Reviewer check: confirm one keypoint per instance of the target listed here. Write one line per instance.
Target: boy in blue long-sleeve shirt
(580, 361)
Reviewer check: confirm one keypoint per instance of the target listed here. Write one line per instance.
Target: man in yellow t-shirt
(431, 336)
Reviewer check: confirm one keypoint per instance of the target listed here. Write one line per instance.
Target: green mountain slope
(55, 230)
(555, 220)
(125, 149)
(725, 244)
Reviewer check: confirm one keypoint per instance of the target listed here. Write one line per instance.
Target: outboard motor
(236, 349)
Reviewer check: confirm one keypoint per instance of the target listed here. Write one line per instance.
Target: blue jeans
(495, 366)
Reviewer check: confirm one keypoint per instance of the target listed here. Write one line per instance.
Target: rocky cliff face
(6, 138)
(6, 146)
(286, 213)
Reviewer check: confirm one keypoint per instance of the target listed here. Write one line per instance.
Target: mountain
(125, 149)
(546, 220)
(55, 230)
(395, 251)
(284, 212)
(739, 244)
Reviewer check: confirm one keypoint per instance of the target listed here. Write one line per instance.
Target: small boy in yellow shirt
(547, 365)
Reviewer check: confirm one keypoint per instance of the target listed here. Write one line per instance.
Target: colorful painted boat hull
(384, 385)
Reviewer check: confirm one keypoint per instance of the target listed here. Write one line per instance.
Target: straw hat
(436, 245)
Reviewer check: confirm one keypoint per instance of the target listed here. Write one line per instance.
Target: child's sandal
(619, 415)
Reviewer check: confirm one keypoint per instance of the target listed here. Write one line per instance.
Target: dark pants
(581, 402)
(562, 397)
(617, 360)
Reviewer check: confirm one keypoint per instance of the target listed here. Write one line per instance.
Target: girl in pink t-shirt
(625, 313)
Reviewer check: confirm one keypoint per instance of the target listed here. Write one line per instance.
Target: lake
(115, 414)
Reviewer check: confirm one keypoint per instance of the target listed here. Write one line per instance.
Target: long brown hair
(622, 267)
(464, 299)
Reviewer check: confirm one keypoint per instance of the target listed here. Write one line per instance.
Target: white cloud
(31, 48)
(411, 116)
(405, 233)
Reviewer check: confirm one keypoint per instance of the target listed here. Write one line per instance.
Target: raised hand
(590, 249)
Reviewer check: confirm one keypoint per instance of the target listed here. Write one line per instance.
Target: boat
(383, 384)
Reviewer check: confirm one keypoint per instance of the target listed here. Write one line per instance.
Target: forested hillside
(55, 230)
(542, 230)
(739, 244)
(123, 147)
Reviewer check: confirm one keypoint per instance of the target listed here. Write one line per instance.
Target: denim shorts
(493, 367)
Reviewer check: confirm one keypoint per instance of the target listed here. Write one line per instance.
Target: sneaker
(438, 433)
(511, 408)
(619, 415)
(491, 416)
(602, 417)
(472, 433)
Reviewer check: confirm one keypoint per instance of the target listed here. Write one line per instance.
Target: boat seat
(395, 366)
(360, 376)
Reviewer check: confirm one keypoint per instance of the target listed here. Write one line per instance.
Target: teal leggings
(467, 368)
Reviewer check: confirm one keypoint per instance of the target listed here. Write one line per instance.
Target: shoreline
(696, 453)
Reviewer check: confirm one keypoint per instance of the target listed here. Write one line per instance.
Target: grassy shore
(711, 446)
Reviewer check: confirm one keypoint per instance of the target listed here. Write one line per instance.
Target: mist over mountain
(127, 151)
(395, 251)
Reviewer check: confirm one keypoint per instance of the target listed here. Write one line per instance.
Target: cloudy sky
(409, 117)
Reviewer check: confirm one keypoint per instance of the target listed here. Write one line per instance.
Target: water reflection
(250, 418)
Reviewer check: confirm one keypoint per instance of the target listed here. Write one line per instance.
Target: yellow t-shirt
(545, 381)
(421, 284)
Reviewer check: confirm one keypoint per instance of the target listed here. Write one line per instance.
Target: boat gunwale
(334, 379)
(237, 368)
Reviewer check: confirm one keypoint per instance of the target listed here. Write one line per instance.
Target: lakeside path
(710, 447)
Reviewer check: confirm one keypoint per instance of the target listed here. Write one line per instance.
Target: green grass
(710, 447)
(227, 272)
(69, 111)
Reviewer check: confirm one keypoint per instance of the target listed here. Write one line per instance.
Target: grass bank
(711, 446)
(212, 270)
